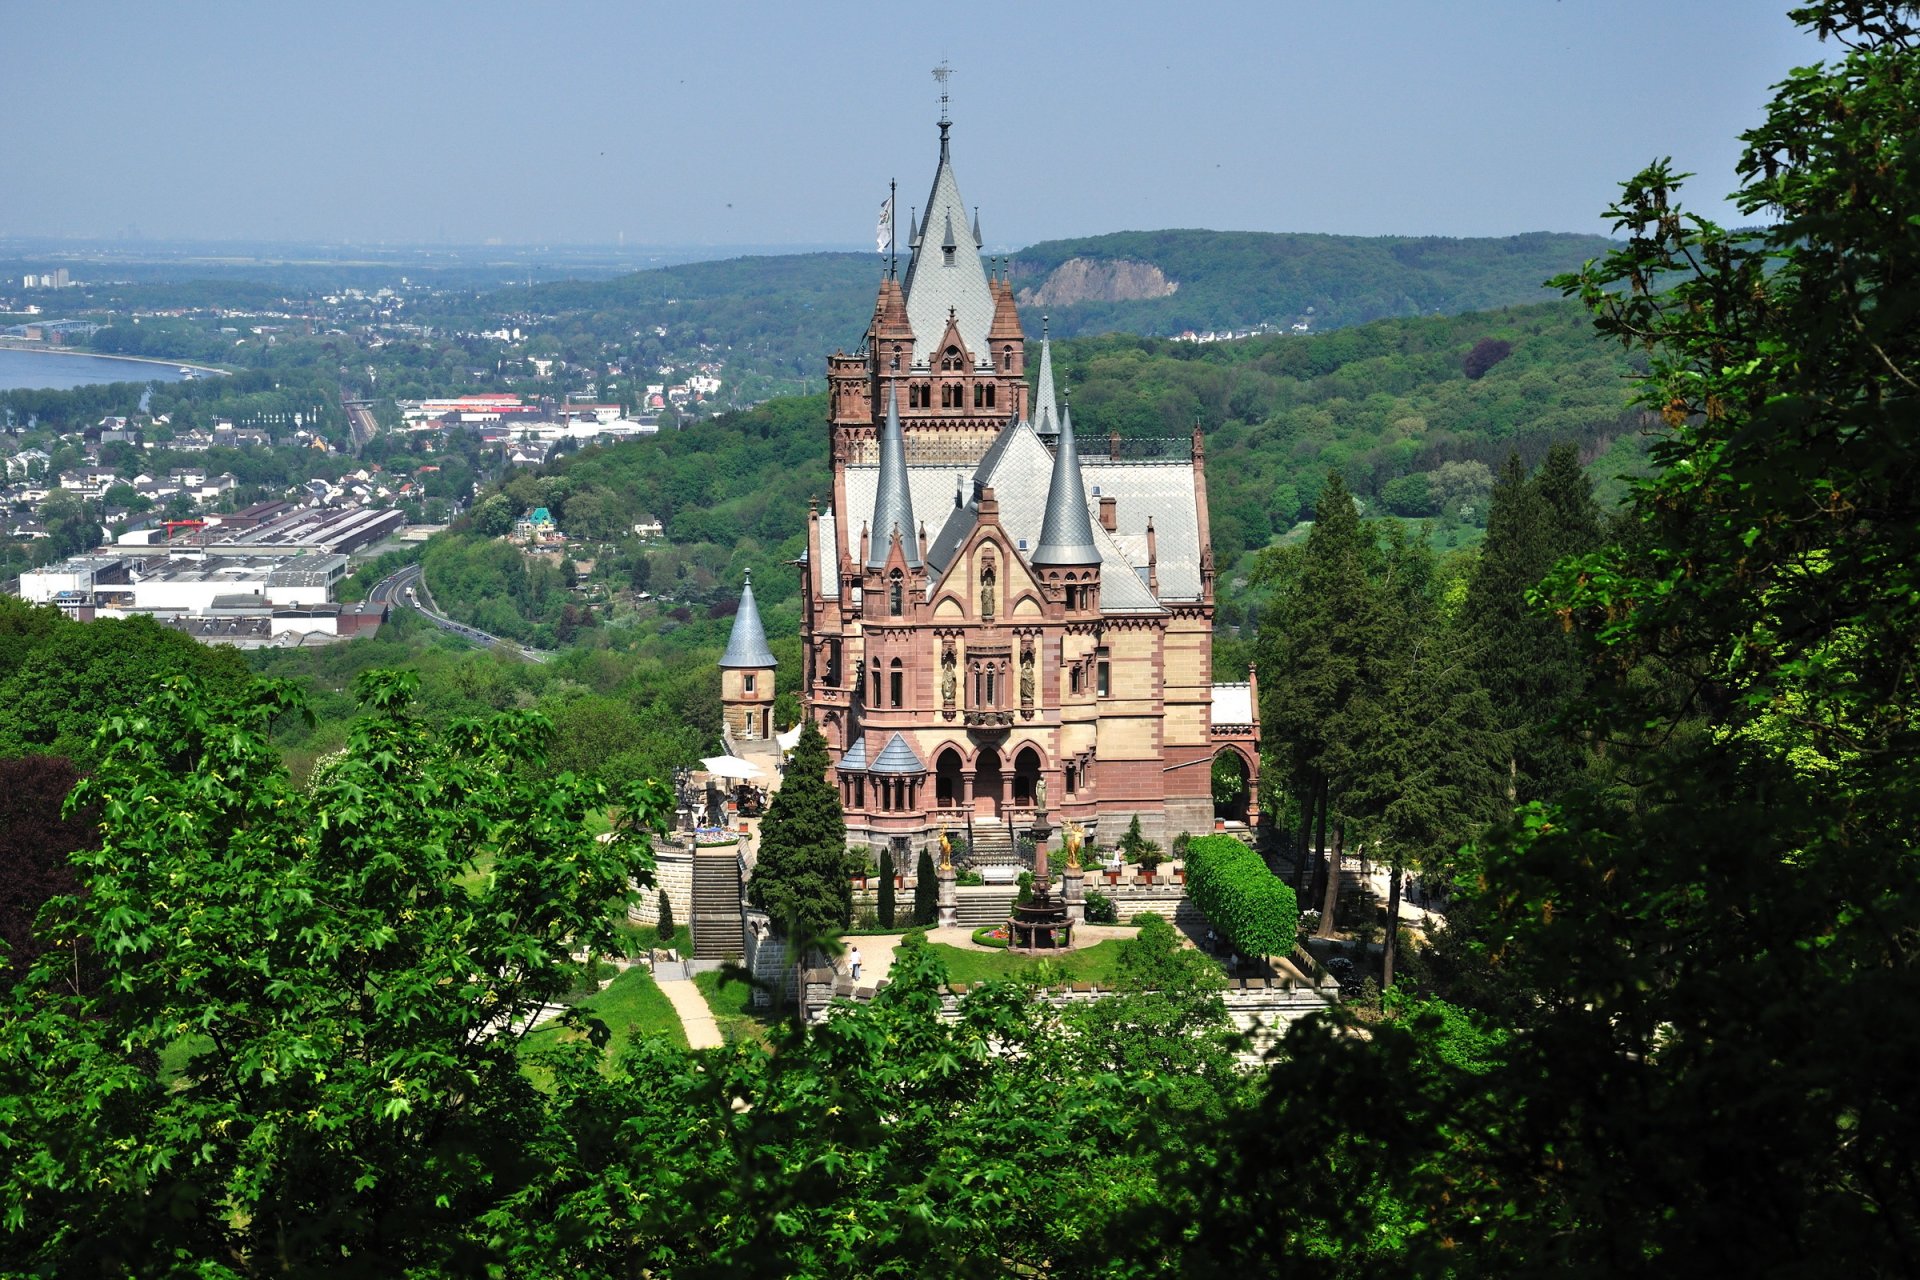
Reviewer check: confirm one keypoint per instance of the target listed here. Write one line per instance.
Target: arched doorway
(947, 784)
(1026, 776)
(989, 786)
(1230, 789)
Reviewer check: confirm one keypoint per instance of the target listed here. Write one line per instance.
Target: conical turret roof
(892, 499)
(1066, 533)
(1046, 406)
(747, 643)
(947, 276)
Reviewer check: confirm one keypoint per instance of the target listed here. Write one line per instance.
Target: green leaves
(1250, 906)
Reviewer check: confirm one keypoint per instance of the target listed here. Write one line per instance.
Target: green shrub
(667, 927)
(886, 888)
(1252, 908)
(1025, 883)
(968, 878)
(1101, 908)
(984, 937)
(1139, 850)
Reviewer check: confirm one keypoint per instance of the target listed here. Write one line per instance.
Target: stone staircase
(716, 903)
(990, 843)
(977, 906)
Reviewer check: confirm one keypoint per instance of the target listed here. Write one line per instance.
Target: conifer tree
(801, 877)
(666, 927)
(926, 892)
(1528, 667)
(1327, 665)
(886, 888)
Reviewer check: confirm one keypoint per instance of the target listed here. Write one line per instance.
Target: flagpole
(893, 237)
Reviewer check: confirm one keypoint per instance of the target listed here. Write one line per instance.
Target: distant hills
(1162, 283)
(779, 315)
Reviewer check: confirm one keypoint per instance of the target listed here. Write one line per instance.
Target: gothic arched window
(896, 595)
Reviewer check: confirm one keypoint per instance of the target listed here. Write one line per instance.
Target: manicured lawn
(633, 1006)
(732, 1011)
(639, 938)
(1098, 963)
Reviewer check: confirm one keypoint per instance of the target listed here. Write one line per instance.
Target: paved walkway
(695, 1016)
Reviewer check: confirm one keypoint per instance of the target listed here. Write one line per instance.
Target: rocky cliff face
(1098, 280)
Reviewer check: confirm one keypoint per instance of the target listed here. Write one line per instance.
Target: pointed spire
(1066, 534)
(949, 244)
(913, 227)
(892, 499)
(1046, 407)
(977, 241)
(747, 643)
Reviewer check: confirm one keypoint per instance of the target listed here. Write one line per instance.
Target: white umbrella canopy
(731, 767)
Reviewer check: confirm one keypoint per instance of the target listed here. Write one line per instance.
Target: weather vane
(940, 73)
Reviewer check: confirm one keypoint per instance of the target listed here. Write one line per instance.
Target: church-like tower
(986, 610)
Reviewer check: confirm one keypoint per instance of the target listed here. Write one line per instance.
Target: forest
(259, 1021)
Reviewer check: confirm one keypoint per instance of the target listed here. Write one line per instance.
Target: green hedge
(1249, 905)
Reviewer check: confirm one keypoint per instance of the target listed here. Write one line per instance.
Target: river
(22, 370)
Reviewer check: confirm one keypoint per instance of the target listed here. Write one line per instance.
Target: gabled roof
(1066, 531)
(945, 272)
(897, 757)
(747, 644)
(892, 499)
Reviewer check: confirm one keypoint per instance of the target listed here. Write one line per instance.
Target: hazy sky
(780, 123)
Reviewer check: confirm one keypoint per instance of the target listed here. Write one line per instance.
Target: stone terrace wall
(1260, 1008)
(672, 871)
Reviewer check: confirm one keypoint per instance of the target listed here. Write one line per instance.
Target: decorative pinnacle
(940, 75)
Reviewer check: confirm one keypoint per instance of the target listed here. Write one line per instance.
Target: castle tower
(746, 675)
(1066, 561)
(988, 617)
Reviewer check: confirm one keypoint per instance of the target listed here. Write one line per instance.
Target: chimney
(1109, 514)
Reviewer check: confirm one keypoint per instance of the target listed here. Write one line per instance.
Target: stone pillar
(949, 898)
(1073, 891)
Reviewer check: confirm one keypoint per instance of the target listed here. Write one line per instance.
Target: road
(406, 590)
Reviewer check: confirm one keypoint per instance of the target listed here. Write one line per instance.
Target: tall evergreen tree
(926, 892)
(886, 888)
(1326, 659)
(801, 877)
(1528, 666)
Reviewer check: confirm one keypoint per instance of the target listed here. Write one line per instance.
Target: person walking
(853, 963)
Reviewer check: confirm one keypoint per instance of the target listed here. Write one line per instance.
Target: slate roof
(897, 757)
(893, 499)
(854, 758)
(945, 271)
(1066, 531)
(1046, 405)
(747, 643)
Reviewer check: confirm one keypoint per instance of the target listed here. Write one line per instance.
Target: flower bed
(992, 936)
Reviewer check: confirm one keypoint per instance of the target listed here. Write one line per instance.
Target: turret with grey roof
(1046, 406)
(1066, 532)
(892, 498)
(747, 643)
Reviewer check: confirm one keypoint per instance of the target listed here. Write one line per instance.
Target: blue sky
(780, 124)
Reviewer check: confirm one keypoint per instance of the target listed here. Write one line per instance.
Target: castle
(992, 616)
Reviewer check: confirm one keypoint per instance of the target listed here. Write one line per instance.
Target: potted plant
(1149, 859)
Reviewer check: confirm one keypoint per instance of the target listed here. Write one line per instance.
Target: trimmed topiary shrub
(886, 888)
(1101, 909)
(667, 928)
(1252, 908)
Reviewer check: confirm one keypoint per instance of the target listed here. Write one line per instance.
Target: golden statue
(1071, 834)
(946, 849)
